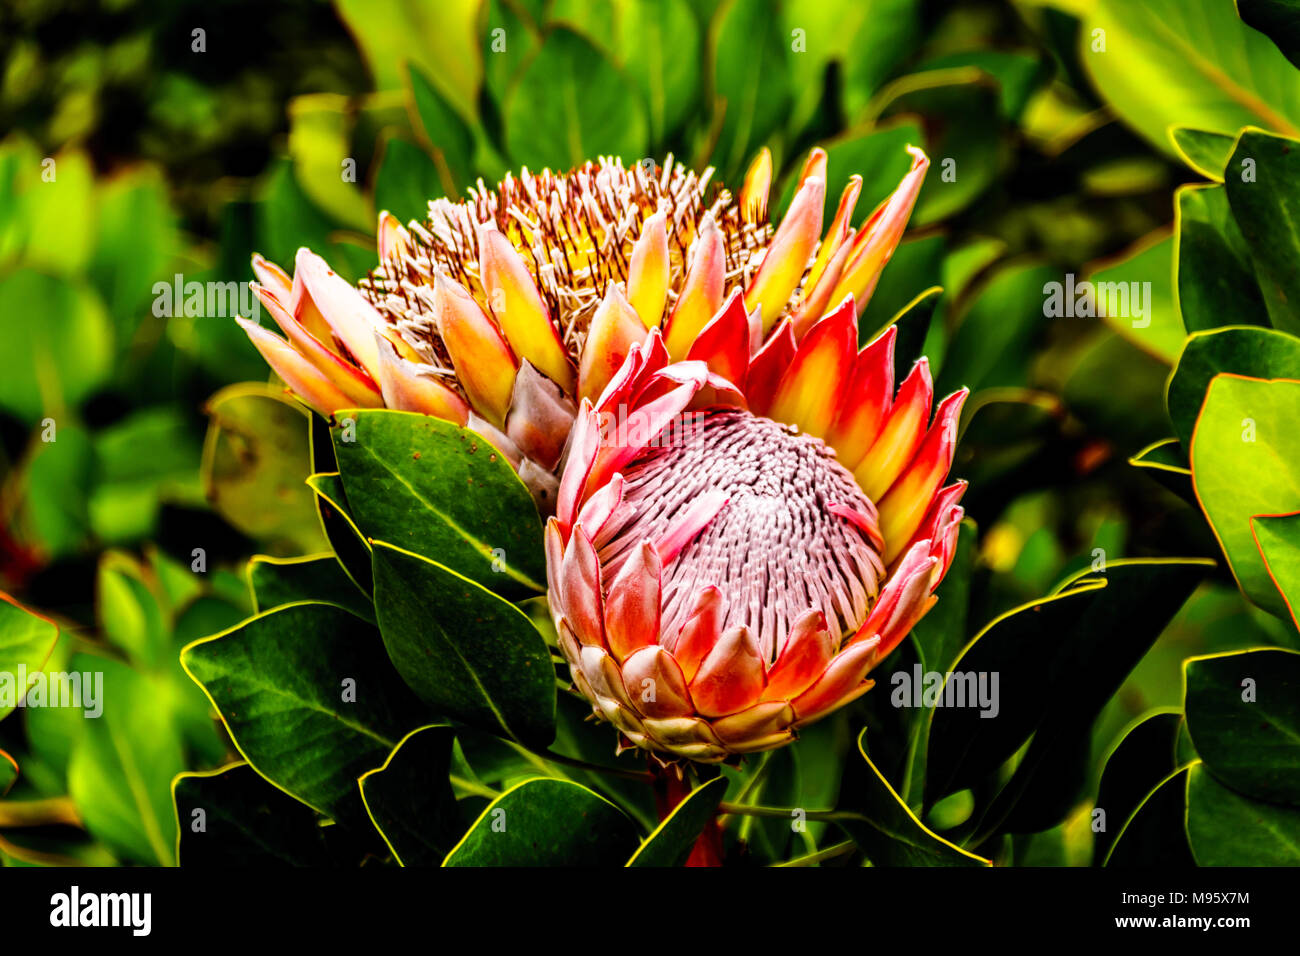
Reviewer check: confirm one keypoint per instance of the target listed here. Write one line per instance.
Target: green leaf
(1147, 274)
(1155, 834)
(939, 638)
(320, 144)
(1242, 350)
(1245, 457)
(254, 461)
(880, 157)
(406, 181)
(1279, 20)
(571, 104)
(410, 800)
(967, 133)
(60, 478)
(1058, 661)
(544, 822)
(751, 78)
(349, 544)
(1001, 323)
(443, 131)
(657, 42)
(122, 763)
(309, 700)
(1216, 282)
(1227, 829)
(135, 241)
(465, 652)
(1278, 540)
(1165, 462)
(245, 822)
(867, 42)
(1243, 714)
(1187, 63)
(26, 642)
(63, 334)
(1205, 151)
(438, 38)
(672, 841)
(909, 293)
(1141, 758)
(129, 612)
(1266, 206)
(888, 832)
(442, 491)
(314, 577)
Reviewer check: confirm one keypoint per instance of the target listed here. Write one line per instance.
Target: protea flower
(741, 537)
(504, 311)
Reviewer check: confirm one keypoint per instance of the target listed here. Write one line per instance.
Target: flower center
(782, 544)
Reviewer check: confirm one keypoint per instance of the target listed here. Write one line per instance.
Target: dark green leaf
(316, 577)
(467, 653)
(658, 43)
(888, 832)
(1279, 20)
(1241, 350)
(671, 842)
(310, 700)
(349, 544)
(410, 800)
(1205, 151)
(1227, 829)
(234, 818)
(1243, 714)
(751, 77)
(571, 104)
(1140, 760)
(1216, 281)
(1058, 660)
(1156, 834)
(444, 131)
(442, 491)
(545, 822)
(1261, 183)
(406, 181)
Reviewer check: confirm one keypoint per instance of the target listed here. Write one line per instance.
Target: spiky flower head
(740, 538)
(504, 311)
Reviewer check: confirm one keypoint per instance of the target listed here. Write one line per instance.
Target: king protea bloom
(505, 311)
(741, 536)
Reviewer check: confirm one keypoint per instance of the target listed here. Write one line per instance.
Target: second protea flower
(504, 311)
(741, 538)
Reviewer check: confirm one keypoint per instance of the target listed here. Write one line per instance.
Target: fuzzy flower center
(575, 231)
(776, 549)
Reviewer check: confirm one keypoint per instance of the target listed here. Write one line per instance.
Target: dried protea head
(504, 311)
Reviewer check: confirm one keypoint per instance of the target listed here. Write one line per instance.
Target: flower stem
(741, 809)
(839, 849)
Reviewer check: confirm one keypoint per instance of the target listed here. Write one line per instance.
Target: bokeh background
(141, 141)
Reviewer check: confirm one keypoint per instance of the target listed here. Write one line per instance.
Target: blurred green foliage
(1067, 136)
